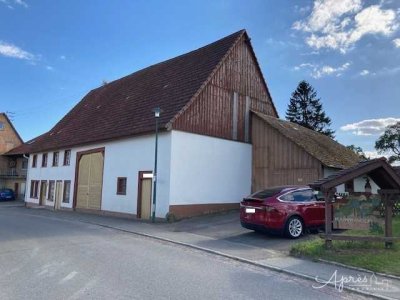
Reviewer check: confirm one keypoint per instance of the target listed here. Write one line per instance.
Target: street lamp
(157, 111)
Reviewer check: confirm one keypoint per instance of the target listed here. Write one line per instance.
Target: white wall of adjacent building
(208, 170)
(359, 183)
(192, 169)
(122, 158)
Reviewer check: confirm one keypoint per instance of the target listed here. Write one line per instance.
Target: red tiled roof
(123, 107)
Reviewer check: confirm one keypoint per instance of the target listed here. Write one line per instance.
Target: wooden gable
(9, 137)
(222, 108)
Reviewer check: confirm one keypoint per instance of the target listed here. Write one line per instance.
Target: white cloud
(396, 43)
(10, 3)
(370, 127)
(63, 57)
(364, 72)
(339, 25)
(11, 50)
(317, 71)
(50, 68)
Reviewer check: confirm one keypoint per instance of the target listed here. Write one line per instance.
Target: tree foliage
(358, 150)
(389, 142)
(306, 110)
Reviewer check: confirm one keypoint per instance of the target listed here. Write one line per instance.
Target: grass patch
(368, 255)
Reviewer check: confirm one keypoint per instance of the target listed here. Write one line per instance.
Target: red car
(286, 210)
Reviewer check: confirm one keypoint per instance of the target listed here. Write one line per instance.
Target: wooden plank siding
(211, 113)
(278, 161)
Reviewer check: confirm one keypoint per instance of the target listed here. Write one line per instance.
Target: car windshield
(6, 191)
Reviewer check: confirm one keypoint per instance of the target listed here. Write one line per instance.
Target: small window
(34, 188)
(51, 194)
(1, 126)
(55, 159)
(44, 160)
(121, 186)
(34, 160)
(349, 186)
(67, 157)
(67, 188)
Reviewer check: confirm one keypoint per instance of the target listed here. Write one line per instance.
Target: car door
(308, 206)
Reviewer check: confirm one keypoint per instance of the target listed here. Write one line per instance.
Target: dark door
(16, 189)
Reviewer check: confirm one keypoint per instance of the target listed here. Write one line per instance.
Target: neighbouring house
(287, 153)
(100, 156)
(13, 168)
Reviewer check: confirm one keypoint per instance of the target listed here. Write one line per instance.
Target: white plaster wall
(123, 158)
(208, 170)
(359, 183)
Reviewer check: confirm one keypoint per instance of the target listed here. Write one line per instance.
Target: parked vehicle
(7, 195)
(286, 210)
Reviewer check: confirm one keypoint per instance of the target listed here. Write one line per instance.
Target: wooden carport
(382, 173)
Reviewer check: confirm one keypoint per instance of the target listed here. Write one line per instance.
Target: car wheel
(294, 227)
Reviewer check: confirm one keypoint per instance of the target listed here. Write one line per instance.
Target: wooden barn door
(90, 181)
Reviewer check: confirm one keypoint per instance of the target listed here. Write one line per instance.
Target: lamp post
(157, 111)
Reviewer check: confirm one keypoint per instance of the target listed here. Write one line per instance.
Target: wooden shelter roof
(379, 170)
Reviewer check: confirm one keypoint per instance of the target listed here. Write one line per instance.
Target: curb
(358, 269)
(239, 259)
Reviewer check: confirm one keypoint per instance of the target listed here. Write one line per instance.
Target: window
(66, 193)
(52, 186)
(55, 159)
(121, 186)
(44, 160)
(349, 186)
(34, 188)
(299, 196)
(67, 157)
(24, 164)
(1, 126)
(34, 160)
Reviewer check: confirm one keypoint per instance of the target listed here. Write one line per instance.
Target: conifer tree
(306, 110)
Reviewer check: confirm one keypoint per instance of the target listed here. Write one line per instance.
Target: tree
(389, 142)
(358, 150)
(306, 110)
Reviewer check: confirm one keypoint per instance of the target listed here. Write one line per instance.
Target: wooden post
(388, 218)
(328, 218)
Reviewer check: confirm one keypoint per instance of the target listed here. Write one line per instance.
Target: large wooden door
(90, 181)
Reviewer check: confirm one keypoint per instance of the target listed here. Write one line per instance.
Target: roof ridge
(170, 59)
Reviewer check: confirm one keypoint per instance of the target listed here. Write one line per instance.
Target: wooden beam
(328, 194)
(342, 237)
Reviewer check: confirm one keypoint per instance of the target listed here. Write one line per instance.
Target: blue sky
(53, 52)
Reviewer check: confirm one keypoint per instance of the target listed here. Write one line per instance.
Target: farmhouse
(215, 110)
(13, 168)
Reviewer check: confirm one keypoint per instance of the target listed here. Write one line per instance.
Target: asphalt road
(44, 257)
